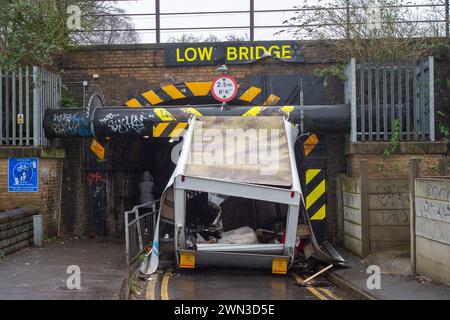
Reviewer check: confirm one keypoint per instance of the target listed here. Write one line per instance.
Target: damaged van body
(235, 197)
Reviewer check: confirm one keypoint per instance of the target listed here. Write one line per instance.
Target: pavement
(41, 273)
(392, 286)
(215, 283)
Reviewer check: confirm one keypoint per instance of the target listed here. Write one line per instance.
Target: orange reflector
(279, 265)
(187, 260)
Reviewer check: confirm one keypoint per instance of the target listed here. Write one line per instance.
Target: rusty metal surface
(216, 140)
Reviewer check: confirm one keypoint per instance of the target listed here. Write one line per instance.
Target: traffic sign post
(224, 88)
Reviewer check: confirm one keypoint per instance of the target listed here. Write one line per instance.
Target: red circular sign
(224, 88)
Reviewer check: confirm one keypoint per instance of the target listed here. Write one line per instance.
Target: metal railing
(438, 15)
(391, 99)
(25, 94)
(140, 224)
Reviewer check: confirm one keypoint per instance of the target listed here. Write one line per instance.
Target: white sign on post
(224, 88)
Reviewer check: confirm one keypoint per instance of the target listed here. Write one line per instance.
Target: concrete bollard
(38, 230)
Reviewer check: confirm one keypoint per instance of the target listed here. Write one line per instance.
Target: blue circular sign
(23, 172)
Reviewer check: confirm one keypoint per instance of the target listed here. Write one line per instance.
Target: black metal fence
(427, 15)
(391, 100)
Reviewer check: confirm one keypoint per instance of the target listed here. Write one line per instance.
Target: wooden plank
(389, 217)
(352, 200)
(352, 215)
(435, 189)
(352, 244)
(433, 230)
(352, 229)
(432, 209)
(388, 185)
(389, 233)
(384, 201)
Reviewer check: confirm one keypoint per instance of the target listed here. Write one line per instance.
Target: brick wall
(48, 198)
(127, 71)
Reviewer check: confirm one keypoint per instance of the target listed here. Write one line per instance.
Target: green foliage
(31, 32)
(366, 32)
(394, 142)
(35, 32)
(67, 100)
(336, 70)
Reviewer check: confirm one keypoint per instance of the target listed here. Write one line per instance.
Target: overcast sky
(235, 19)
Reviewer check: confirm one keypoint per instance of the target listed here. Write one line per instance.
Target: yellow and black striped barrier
(185, 90)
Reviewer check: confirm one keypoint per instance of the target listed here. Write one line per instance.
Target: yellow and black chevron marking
(315, 160)
(316, 196)
(169, 129)
(169, 117)
(182, 90)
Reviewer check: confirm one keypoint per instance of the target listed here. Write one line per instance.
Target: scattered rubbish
(423, 279)
(332, 251)
(305, 282)
(243, 235)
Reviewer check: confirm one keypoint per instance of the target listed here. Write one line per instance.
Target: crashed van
(234, 198)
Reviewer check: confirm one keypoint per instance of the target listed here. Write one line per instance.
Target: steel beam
(125, 121)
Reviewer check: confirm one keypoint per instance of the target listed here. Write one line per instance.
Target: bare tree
(367, 29)
(103, 23)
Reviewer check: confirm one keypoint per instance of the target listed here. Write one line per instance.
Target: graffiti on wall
(69, 124)
(97, 210)
(119, 123)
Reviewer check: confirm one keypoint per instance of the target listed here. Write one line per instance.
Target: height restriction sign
(224, 88)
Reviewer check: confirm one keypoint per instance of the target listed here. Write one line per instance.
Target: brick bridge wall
(127, 71)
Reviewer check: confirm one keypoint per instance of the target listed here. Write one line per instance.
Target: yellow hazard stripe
(252, 112)
(173, 92)
(159, 128)
(315, 194)
(192, 111)
(311, 173)
(287, 110)
(271, 100)
(320, 214)
(152, 97)
(133, 103)
(310, 143)
(178, 129)
(163, 114)
(199, 88)
(250, 94)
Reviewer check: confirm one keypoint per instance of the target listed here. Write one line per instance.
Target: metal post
(157, 21)
(36, 107)
(1, 107)
(347, 15)
(446, 18)
(413, 175)
(27, 106)
(127, 238)
(352, 96)
(431, 95)
(252, 20)
(38, 230)
(7, 107)
(13, 107)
